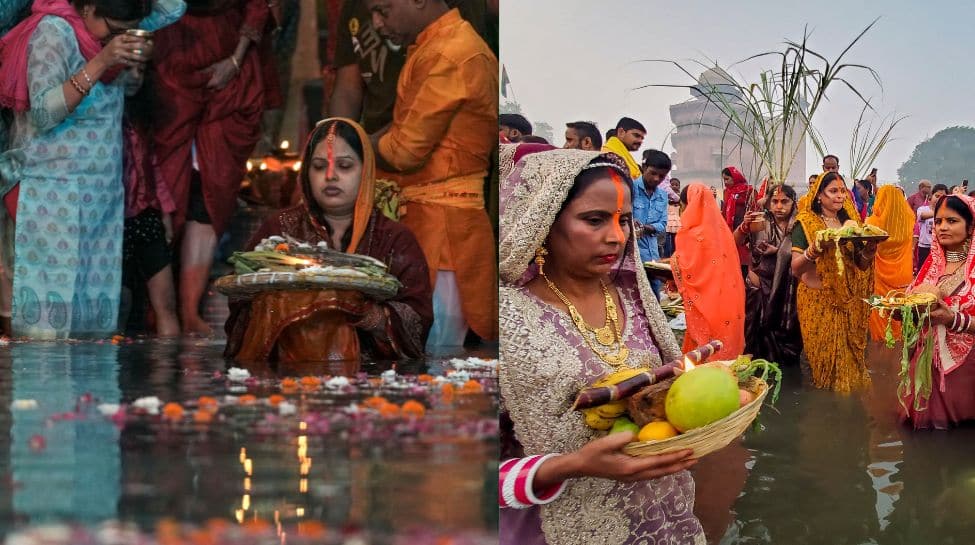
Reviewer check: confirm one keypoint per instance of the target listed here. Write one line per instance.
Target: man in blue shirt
(650, 206)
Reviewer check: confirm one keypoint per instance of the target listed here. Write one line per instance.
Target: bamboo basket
(714, 436)
(251, 284)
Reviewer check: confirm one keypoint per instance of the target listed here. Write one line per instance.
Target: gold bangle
(87, 78)
(77, 86)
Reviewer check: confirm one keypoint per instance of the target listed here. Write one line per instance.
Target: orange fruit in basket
(657, 431)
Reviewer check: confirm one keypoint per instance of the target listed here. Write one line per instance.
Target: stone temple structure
(703, 147)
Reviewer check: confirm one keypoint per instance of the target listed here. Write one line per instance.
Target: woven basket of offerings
(703, 440)
(278, 264)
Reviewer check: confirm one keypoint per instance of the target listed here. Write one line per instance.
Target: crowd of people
(125, 129)
(577, 226)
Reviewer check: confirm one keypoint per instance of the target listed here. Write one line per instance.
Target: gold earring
(540, 254)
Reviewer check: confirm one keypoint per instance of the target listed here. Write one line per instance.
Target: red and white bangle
(515, 483)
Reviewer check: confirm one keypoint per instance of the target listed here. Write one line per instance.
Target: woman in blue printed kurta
(67, 246)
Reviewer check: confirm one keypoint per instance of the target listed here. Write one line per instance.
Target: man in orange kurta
(438, 148)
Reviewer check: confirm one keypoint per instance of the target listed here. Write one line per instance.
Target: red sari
(225, 123)
(320, 325)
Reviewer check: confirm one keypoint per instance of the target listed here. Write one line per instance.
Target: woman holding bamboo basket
(836, 274)
(575, 306)
(937, 387)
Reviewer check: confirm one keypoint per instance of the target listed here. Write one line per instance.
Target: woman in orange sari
(893, 268)
(337, 207)
(707, 270)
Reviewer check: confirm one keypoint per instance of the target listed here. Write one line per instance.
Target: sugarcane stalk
(594, 397)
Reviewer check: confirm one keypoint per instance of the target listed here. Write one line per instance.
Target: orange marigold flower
(207, 403)
(389, 410)
(425, 378)
(172, 411)
(281, 247)
(471, 387)
(202, 537)
(414, 408)
(310, 382)
(275, 400)
(247, 399)
(289, 384)
(202, 416)
(375, 402)
(448, 391)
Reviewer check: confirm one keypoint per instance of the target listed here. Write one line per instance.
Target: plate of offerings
(279, 264)
(704, 408)
(851, 231)
(659, 269)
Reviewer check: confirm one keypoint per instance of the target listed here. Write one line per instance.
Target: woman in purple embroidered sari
(567, 247)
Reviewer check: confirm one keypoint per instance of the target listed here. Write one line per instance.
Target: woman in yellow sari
(893, 268)
(832, 314)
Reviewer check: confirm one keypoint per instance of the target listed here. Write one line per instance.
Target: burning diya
(273, 180)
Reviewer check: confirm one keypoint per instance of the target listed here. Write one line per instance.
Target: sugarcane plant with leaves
(774, 115)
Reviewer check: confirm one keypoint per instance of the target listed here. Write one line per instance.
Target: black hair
(813, 176)
(726, 172)
(828, 179)
(587, 130)
(656, 159)
(610, 133)
(141, 107)
(939, 187)
(834, 157)
(346, 132)
(683, 195)
(120, 10)
(515, 121)
(864, 184)
(628, 124)
(958, 206)
(787, 190)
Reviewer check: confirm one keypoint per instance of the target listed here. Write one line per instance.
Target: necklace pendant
(617, 359)
(605, 336)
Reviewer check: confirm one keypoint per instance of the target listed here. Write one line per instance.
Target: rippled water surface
(828, 468)
(323, 470)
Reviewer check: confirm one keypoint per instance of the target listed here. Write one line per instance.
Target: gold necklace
(604, 335)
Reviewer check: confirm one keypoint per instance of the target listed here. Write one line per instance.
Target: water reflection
(840, 469)
(251, 466)
(64, 467)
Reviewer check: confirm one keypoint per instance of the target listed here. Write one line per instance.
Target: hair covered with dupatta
(532, 196)
(950, 348)
(358, 140)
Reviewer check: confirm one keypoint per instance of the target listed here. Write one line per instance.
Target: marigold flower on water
(207, 403)
(172, 411)
(448, 391)
(247, 399)
(471, 387)
(414, 408)
(425, 378)
(289, 384)
(203, 416)
(375, 402)
(256, 527)
(311, 382)
(389, 410)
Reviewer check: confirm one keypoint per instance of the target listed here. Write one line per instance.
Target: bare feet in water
(194, 326)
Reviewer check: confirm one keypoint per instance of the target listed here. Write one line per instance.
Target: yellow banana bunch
(603, 416)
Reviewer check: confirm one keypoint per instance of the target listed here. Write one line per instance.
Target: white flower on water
(23, 405)
(149, 404)
(473, 363)
(389, 377)
(459, 377)
(337, 382)
(286, 408)
(236, 374)
(108, 409)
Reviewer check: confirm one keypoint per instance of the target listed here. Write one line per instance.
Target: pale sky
(572, 60)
